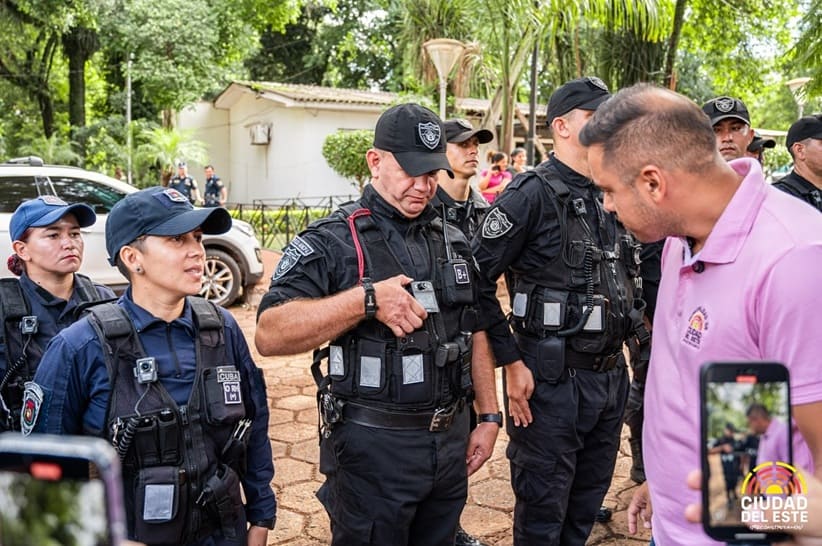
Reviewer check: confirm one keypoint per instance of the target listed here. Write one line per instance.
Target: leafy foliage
(345, 153)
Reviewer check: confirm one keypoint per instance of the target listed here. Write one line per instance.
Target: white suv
(233, 259)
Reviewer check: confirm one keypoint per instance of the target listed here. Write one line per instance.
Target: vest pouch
(580, 252)
(146, 441)
(169, 438)
(341, 367)
(544, 357)
(412, 376)
(370, 369)
(457, 286)
(222, 395)
(223, 502)
(161, 505)
(551, 315)
(601, 332)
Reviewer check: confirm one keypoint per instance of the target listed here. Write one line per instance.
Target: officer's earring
(138, 269)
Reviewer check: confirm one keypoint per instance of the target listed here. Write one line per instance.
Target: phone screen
(746, 445)
(48, 498)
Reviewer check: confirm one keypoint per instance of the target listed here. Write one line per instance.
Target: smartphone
(59, 490)
(746, 448)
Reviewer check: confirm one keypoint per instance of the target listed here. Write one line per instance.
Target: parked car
(233, 259)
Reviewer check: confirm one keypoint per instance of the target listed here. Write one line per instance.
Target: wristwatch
(267, 523)
(490, 418)
(370, 298)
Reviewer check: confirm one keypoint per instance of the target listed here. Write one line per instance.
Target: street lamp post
(796, 85)
(444, 53)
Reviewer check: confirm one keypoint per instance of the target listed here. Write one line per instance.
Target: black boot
(604, 515)
(464, 539)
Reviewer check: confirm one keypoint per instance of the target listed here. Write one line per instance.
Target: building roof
(307, 96)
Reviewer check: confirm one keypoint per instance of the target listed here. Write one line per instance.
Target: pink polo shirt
(757, 298)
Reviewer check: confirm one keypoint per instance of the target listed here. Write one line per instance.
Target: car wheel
(221, 278)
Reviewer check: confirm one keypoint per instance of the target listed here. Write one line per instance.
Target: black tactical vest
(181, 464)
(552, 301)
(428, 368)
(18, 330)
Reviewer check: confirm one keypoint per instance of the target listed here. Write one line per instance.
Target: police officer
(392, 286)
(804, 142)
(732, 126)
(215, 192)
(464, 207)
(48, 251)
(185, 184)
(570, 270)
(168, 379)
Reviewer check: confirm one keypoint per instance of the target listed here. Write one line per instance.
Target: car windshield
(77, 190)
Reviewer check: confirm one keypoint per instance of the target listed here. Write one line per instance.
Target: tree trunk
(78, 45)
(673, 43)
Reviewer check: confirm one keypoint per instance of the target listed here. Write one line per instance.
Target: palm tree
(160, 148)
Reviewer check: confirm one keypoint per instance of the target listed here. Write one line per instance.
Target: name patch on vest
(496, 224)
(229, 378)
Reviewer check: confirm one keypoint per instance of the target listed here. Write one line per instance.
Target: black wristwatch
(490, 418)
(267, 523)
(370, 298)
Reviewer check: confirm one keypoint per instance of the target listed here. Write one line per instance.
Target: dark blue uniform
(796, 185)
(53, 314)
(551, 255)
(76, 390)
(385, 484)
(183, 184)
(213, 188)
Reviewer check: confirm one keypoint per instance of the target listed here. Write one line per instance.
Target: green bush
(345, 153)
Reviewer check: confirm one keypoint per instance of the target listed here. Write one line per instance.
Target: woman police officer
(169, 380)
(48, 251)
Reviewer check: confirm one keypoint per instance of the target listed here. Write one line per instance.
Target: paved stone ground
(301, 519)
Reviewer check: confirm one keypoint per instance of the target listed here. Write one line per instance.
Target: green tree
(345, 153)
(159, 148)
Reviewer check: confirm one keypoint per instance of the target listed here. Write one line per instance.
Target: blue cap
(158, 211)
(44, 211)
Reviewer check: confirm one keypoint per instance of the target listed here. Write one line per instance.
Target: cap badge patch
(429, 134)
(724, 104)
(32, 402)
(175, 195)
(53, 200)
(598, 82)
(496, 224)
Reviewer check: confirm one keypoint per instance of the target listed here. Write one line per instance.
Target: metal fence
(277, 221)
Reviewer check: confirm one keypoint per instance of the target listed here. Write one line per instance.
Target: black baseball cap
(415, 135)
(583, 93)
(158, 211)
(760, 142)
(806, 127)
(460, 130)
(721, 108)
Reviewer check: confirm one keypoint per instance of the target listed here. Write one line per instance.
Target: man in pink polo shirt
(740, 274)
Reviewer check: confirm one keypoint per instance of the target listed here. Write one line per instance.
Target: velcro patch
(496, 224)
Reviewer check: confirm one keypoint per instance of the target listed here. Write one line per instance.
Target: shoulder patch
(288, 260)
(32, 402)
(302, 246)
(496, 224)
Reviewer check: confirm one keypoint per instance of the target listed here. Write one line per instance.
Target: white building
(265, 139)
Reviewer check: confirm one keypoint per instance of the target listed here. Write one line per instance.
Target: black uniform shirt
(800, 187)
(466, 215)
(322, 260)
(522, 232)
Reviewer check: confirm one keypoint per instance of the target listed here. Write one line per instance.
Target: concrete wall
(291, 165)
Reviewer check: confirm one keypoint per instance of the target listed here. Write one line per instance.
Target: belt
(587, 361)
(435, 421)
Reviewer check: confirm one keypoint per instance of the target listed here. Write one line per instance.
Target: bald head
(645, 124)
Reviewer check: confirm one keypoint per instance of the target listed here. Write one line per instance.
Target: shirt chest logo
(696, 329)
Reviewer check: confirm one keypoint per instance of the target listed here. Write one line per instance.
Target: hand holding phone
(59, 489)
(746, 449)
